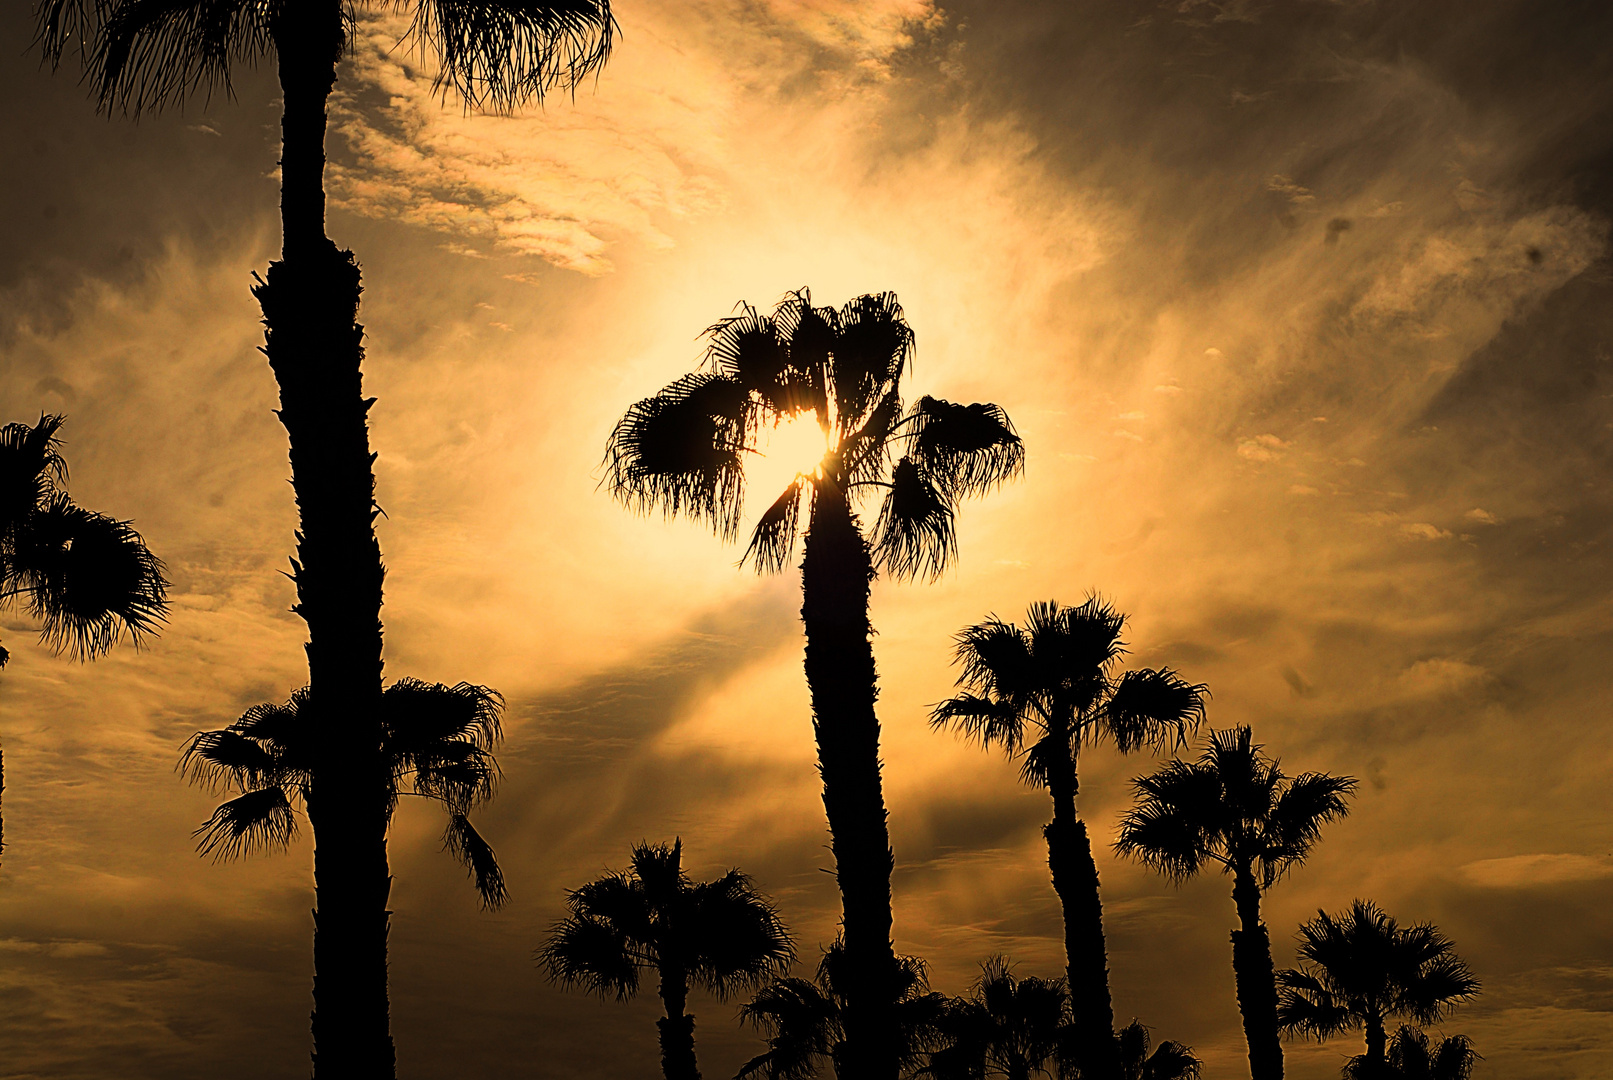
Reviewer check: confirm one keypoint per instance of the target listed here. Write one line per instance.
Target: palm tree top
(143, 55)
(1364, 962)
(87, 578)
(721, 934)
(1057, 673)
(1233, 807)
(438, 739)
(682, 450)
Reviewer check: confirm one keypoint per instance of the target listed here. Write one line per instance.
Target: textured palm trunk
(315, 347)
(676, 1029)
(1075, 880)
(1377, 1048)
(1256, 979)
(835, 575)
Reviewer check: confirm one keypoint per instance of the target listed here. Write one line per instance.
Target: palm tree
(1016, 1028)
(682, 451)
(437, 739)
(1041, 692)
(721, 935)
(1412, 1057)
(805, 1020)
(86, 578)
(1362, 968)
(1234, 808)
(144, 54)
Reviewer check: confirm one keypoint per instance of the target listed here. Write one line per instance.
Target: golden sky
(1303, 311)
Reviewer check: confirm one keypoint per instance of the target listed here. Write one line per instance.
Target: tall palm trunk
(314, 345)
(1075, 879)
(1256, 979)
(676, 1028)
(835, 574)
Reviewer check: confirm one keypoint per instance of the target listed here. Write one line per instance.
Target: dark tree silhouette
(805, 1021)
(144, 54)
(436, 743)
(86, 578)
(1361, 969)
(1018, 1028)
(683, 451)
(1234, 808)
(1412, 1057)
(1041, 692)
(721, 935)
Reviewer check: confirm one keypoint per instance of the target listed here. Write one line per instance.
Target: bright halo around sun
(794, 447)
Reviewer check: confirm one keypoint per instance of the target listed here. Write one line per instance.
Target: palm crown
(804, 1020)
(1360, 968)
(144, 54)
(1056, 676)
(1233, 807)
(87, 578)
(438, 739)
(683, 450)
(1007, 1026)
(722, 934)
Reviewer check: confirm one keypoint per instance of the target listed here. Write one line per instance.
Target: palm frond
(802, 1024)
(735, 936)
(773, 540)
(498, 54)
(1175, 825)
(871, 348)
(476, 855)
(1152, 707)
(1310, 801)
(89, 579)
(679, 451)
(865, 452)
(258, 821)
(968, 449)
(989, 721)
(142, 55)
(214, 759)
(1307, 1008)
(914, 534)
(591, 953)
(417, 716)
(31, 467)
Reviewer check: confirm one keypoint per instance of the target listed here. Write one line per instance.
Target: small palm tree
(1041, 692)
(805, 1021)
(145, 54)
(1360, 969)
(1412, 1057)
(87, 579)
(720, 935)
(682, 451)
(437, 739)
(1169, 1061)
(1006, 1027)
(1234, 808)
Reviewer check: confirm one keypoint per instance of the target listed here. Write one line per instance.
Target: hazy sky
(1304, 311)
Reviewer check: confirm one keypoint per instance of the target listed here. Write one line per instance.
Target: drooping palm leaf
(476, 855)
(258, 821)
(499, 54)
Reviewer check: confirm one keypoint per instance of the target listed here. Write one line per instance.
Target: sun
(793, 447)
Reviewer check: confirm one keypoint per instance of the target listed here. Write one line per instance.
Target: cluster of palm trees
(883, 499)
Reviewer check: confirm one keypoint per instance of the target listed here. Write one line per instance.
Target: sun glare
(793, 447)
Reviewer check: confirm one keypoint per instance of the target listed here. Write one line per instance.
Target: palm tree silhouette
(682, 451)
(436, 739)
(1412, 1057)
(1041, 692)
(1018, 1028)
(144, 54)
(1362, 968)
(1234, 808)
(805, 1020)
(86, 578)
(721, 935)
(1006, 1027)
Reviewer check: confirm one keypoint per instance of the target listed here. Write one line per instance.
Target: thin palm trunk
(835, 574)
(1075, 880)
(676, 1028)
(1256, 979)
(1377, 1047)
(314, 345)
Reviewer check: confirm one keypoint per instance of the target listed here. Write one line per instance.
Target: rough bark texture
(1256, 979)
(835, 576)
(676, 1030)
(315, 347)
(1075, 880)
(1377, 1049)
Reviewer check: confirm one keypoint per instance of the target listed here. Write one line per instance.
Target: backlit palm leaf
(257, 821)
